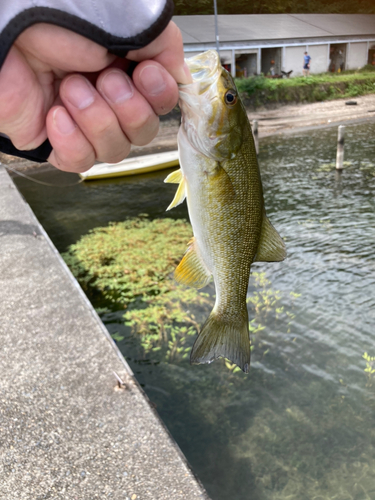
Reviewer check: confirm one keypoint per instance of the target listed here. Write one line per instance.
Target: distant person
(272, 68)
(306, 64)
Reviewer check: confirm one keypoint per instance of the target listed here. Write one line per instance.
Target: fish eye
(230, 97)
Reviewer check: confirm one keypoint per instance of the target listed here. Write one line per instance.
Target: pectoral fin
(180, 193)
(271, 247)
(223, 185)
(174, 177)
(192, 271)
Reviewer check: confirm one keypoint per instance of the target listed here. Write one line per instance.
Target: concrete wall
(293, 60)
(357, 56)
(319, 58)
(191, 54)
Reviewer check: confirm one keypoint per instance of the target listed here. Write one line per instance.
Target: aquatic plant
(370, 367)
(131, 264)
(265, 298)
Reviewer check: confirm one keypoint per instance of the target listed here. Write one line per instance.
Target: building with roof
(253, 44)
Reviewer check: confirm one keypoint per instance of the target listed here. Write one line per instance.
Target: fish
(220, 179)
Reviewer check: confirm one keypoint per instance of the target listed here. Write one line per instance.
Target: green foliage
(117, 337)
(265, 300)
(186, 7)
(131, 259)
(260, 90)
(367, 68)
(200, 7)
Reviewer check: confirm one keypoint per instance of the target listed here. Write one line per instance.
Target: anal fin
(192, 271)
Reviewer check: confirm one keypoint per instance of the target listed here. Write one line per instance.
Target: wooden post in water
(255, 135)
(340, 147)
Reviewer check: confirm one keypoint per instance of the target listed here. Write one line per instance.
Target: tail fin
(223, 338)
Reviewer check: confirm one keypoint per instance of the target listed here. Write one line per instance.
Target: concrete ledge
(67, 430)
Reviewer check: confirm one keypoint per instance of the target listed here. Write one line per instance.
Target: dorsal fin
(192, 271)
(271, 247)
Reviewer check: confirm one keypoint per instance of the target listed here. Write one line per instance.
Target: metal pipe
(259, 61)
(233, 64)
(216, 29)
(347, 56)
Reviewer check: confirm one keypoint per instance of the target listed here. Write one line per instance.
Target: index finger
(168, 50)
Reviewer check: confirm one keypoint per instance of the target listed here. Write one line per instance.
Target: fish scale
(220, 179)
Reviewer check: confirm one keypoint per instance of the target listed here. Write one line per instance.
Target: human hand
(57, 84)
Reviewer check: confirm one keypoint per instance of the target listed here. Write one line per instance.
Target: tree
(202, 7)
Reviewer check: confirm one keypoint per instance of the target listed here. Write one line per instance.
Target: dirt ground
(285, 119)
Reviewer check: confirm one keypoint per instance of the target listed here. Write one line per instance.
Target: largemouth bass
(219, 176)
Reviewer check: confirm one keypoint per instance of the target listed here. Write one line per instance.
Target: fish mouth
(205, 68)
(198, 102)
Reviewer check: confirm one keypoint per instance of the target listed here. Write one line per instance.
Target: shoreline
(287, 119)
(307, 128)
(282, 120)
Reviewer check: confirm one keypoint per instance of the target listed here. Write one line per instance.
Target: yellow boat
(132, 166)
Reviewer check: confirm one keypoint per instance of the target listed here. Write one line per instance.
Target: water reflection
(301, 425)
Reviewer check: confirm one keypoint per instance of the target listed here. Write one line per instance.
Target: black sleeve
(117, 25)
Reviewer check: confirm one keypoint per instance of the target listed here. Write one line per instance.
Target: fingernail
(78, 91)
(152, 80)
(116, 87)
(188, 77)
(64, 124)
(182, 74)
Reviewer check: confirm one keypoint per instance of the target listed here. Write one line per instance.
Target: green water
(301, 425)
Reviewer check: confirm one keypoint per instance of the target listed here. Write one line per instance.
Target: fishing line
(40, 182)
